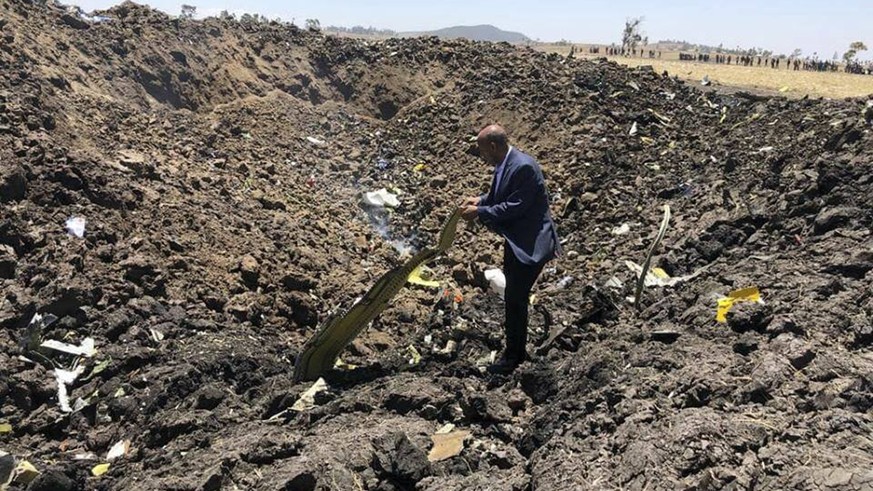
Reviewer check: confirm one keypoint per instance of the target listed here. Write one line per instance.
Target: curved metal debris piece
(641, 280)
(322, 349)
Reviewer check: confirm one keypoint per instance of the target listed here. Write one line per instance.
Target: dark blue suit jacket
(519, 210)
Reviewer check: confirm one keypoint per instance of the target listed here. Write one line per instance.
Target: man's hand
(469, 212)
(471, 201)
(468, 208)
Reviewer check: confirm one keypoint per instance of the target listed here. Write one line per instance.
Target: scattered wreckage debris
(217, 235)
(321, 351)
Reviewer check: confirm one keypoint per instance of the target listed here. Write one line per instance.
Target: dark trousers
(520, 279)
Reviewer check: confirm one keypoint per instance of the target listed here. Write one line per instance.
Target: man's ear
(473, 150)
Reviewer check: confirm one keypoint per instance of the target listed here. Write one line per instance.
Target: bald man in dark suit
(516, 207)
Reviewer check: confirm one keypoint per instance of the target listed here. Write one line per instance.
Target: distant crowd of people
(796, 64)
(616, 51)
(859, 68)
(743, 60)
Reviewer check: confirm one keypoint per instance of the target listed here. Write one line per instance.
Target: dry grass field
(765, 80)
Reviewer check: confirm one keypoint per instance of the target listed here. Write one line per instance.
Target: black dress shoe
(504, 365)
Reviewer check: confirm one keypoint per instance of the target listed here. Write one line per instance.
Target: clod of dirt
(209, 397)
(13, 184)
(398, 460)
(52, 480)
(799, 353)
(538, 381)
(8, 261)
(782, 324)
(490, 408)
(749, 316)
(831, 218)
(249, 270)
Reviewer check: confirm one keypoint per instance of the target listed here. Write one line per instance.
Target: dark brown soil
(218, 238)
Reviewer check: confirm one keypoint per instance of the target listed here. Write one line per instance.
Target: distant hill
(474, 33)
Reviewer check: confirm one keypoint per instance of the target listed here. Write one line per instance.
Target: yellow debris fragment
(100, 469)
(418, 167)
(416, 279)
(415, 356)
(341, 365)
(25, 472)
(5, 428)
(750, 294)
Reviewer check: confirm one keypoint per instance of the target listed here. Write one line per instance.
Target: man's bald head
(493, 144)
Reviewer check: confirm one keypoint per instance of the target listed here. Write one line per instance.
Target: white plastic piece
(76, 226)
(65, 378)
(85, 349)
(118, 450)
(497, 280)
(381, 198)
(622, 230)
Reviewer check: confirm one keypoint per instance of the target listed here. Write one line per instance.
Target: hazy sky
(822, 26)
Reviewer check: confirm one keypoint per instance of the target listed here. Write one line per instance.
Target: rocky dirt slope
(220, 167)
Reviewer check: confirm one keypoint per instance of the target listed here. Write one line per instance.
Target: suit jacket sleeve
(523, 189)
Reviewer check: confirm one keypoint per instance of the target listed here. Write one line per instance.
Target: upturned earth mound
(219, 169)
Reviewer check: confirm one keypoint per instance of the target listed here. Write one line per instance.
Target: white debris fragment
(85, 349)
(307, 399)
(497, 280)
(157, 336)
(120, 449)
(451, 346)
(34, 329)
(621, 230)
(614, 282)
(76, 226)
(315, 141)
(633, 129)
(446, 428)
(65, 378)
(381, 198)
